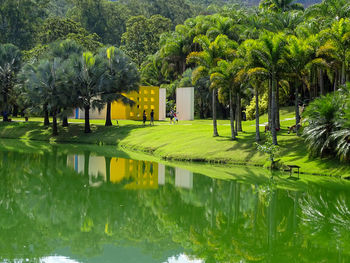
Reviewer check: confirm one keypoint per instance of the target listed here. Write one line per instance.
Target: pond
(75, 203)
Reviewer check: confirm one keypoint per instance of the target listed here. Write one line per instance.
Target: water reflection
(116, 170)
(88, 208)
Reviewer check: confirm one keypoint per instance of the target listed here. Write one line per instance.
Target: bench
(291, 167)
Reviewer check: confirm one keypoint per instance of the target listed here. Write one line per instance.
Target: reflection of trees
(46, 205)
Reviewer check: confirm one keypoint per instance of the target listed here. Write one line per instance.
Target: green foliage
(268, 148)
(10, 63)
(328, 129)
(142, 36)
(263, 106)
(19, 21)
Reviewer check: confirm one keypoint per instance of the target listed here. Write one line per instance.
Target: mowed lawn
(187, 140)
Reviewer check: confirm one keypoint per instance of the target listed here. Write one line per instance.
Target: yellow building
(146, 99)
(142, 174)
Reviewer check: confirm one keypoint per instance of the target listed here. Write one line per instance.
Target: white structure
(161, 174)
(162, 104)
(183, 178)
(185, 103)
(94, 114)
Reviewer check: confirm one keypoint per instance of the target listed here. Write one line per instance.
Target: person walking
(152, 118)
(144, 118)
(171, 115)
(176, 120)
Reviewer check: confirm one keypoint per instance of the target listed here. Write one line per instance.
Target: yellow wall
(143, 175)
(146, 99)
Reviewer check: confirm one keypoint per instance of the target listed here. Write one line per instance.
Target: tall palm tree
(267, 59)
(299, 57)
(207, 60)
(10, 62)
(336, 47)
(43, 86)
(122, 76)
(224, 78)
(89, 76)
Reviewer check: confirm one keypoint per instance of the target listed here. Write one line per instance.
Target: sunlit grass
(188, 140)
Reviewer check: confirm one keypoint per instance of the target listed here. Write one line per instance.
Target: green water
(74, 204)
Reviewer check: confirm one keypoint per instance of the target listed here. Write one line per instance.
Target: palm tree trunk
(87, 119)
(232, 121)
(214, 115)
(54, 124)
(5, 107)
(236, 119)
(257, 131)
(269, 110)
(273, 113)
(296, 105)
(239, 113)
(278, 124)
(108, 115)
(108, 169)
(343, 78)
(65, 121)
(46, 117)
(320, 81)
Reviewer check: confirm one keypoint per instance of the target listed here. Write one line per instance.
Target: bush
(263, 105)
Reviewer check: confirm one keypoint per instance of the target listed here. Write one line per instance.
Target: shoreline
(189, 143)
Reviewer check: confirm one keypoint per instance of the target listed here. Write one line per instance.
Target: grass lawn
(188, 140)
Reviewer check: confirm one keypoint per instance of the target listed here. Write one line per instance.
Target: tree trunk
(239, 113)
(54, 124)
(5, 107)
(87, 119)
(86, 163)
(257, 131)
(269, 109)
(343, 78)
(65, 121)
(108, 169)
(108, 115)
(273, 113)
(214, 115)
(236, 119)
(15, 110)
(320, 81)
(46, 117)
(296, 105)
(232, 121)
(278, 124)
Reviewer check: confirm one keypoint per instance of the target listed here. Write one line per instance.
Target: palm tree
(43, 86)
(223, 78)
(299, 57)
(207, 60)
(337, 46)
(64, 49)
(10, 62)
(281, 5)
(122, 76)
(89, 76)
(267, 59)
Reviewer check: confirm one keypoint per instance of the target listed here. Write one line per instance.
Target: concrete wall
(162, 104)
(185, 103)
(94, 114)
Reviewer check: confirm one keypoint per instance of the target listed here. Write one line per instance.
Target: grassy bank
(184, 141)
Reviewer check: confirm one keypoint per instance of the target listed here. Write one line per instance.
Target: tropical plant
(207, 60)
(89, 77)
(43, 85)
(322, 116)
(122, 76)
(10, 62)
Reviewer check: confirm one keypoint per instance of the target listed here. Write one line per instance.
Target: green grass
(188, 140)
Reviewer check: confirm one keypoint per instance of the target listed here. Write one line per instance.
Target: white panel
(162, 104)
(94, 114)
(161, 174)
(183, 178)
(185, 103)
